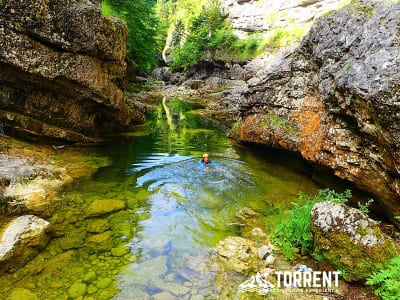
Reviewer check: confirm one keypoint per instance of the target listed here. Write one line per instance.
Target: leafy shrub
(294, 231)
(210, 30)
(387, 280)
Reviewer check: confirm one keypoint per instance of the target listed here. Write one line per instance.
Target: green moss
(356, 261)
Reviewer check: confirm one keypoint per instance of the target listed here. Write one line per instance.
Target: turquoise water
(175, 211)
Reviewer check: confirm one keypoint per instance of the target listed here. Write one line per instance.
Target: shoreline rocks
(22, 240)
(345, 238)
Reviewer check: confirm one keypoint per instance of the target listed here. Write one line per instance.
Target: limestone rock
(62, 64)
(102, 207)
(334, 99)
(239, 255)
(347, 239)
(22, 239)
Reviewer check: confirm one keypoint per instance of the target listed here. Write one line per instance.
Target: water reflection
(174, 211)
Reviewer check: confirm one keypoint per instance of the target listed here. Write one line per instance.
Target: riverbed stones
(102, 207)
(97, 225)
(148, 270)
(104, 283)
(344, 237)
(163, 296)
(22, 294)
(22, 239)
(77, 290)
(174, 288)
(89, 277)
(120, 250)
(101, 241)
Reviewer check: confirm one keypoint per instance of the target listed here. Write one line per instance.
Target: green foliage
(284, 36)
(364, 207)
(210, 30)
(347, 66)
(387, 280)
(365, 9)
(294, 231)
(106, 9)
(140, 18)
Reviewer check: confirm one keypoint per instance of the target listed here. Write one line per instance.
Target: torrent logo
(304, 280)
(314, 279)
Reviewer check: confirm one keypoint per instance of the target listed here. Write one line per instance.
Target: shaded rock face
(335, 99)
(61, 69)
(22, 239)
(347, 239)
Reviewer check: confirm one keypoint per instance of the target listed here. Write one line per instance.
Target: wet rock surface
(22, 239)
(347, 239)
(62, 65)
(334, 99)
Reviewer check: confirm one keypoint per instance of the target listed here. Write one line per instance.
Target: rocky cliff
(253, 16)
(335, 99)
(61, 69)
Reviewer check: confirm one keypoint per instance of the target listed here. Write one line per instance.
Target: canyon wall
(61, 69)
(335, 99)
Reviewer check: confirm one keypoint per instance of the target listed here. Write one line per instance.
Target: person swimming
(206, 162)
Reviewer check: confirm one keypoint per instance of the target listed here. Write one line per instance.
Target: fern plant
(387, 280)
(294, 231)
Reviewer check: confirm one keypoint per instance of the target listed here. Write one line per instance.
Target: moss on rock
(347, 239)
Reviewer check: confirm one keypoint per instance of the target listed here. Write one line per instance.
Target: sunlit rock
(22, 239)
(347, 239)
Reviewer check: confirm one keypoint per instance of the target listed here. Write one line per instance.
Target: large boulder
(61, 69)
(344, 237)
(335, 99)
(22, 239)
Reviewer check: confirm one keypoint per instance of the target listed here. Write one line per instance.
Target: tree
(141, 21)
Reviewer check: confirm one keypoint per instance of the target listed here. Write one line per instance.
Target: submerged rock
(102, 207)
(163, 296)
(241, 255)
(347, 239)
(77, 290)
(101, 241)
(98, 225)
(22, 294)
(22, 239)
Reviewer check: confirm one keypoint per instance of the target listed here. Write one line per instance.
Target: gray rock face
(22, 239)
(335, 99)
(347, 239)
(61, 69)
(264, 16)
